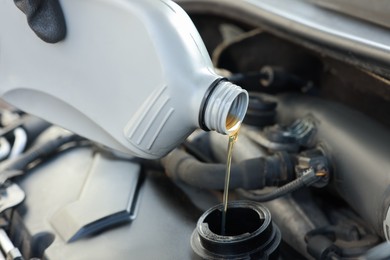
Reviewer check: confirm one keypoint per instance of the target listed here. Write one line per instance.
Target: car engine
(310, 177)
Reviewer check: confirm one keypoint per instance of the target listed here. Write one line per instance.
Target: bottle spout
(223, 108)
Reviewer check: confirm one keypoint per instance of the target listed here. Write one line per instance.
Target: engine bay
(311, 159)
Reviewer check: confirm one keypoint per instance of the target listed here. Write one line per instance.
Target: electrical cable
(309, 178)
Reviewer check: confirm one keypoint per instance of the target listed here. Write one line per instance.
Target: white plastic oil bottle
(131, 74)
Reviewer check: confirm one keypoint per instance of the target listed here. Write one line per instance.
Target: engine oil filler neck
(249, 233)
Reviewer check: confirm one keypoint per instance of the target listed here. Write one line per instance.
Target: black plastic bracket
(45, 18)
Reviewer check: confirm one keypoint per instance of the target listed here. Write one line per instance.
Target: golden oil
(231, 122)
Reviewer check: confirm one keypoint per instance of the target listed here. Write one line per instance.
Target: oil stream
(232, 140)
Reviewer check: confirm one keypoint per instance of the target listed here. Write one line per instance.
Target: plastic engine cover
(83, 205)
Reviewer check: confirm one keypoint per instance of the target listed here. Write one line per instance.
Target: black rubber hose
(38, 152)
(250, 174)
(270, 76)
(305, 180)
(238, 78)
(33, 126)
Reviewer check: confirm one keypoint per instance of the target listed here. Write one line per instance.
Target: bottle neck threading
(223, 108)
